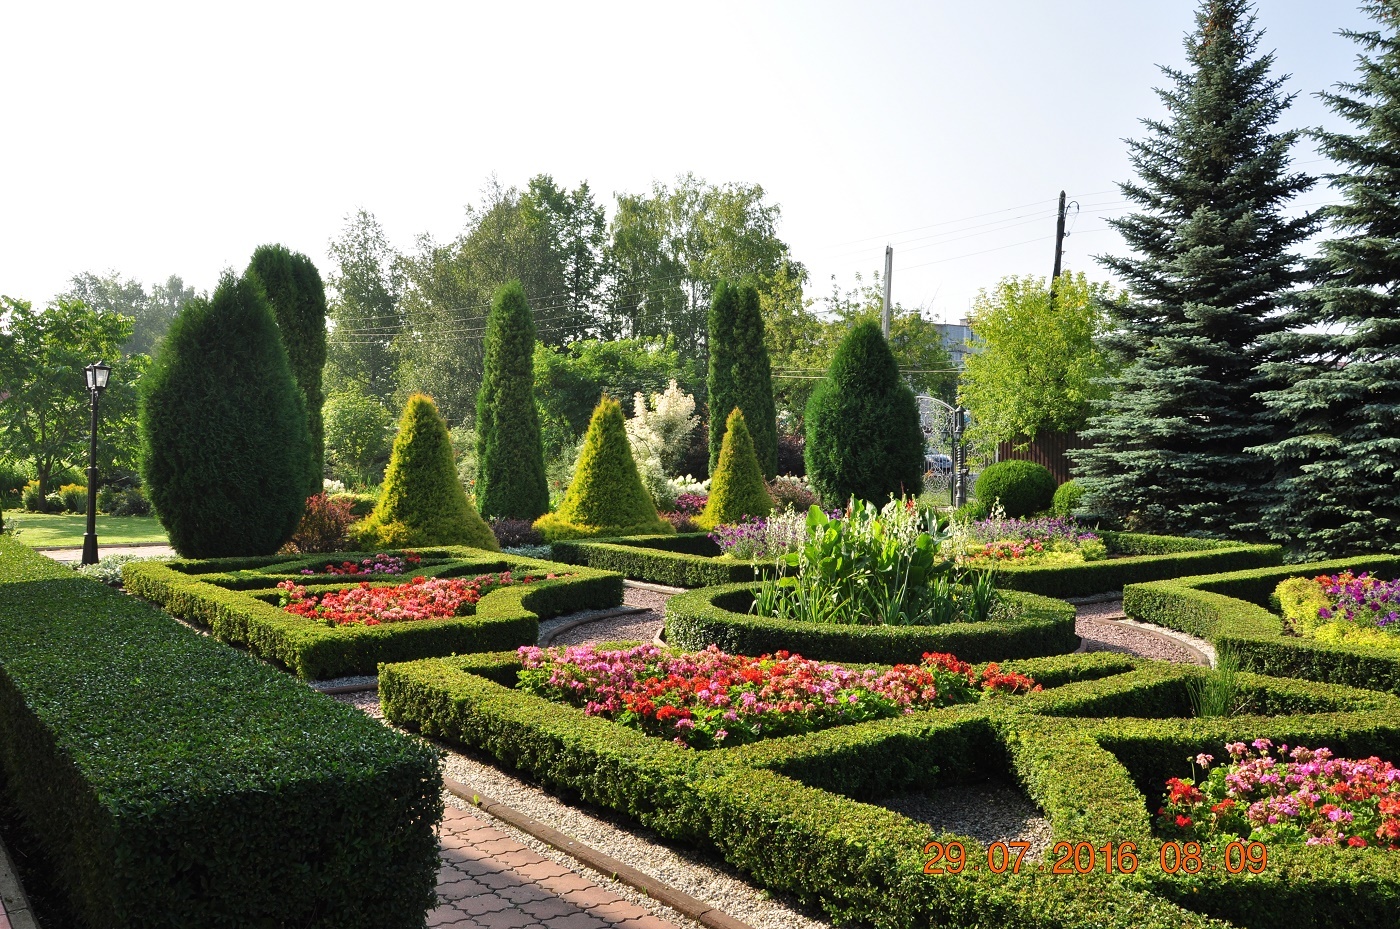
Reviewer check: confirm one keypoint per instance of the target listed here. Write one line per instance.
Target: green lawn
(66, 530)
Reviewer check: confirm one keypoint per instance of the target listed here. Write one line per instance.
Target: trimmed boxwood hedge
(793, 812)
(235, 601)
(719, 616)
(689, 560)
(1229, 610)
(169, 781)
(1137, 558)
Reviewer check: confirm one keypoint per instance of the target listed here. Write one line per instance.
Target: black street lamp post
(97, 375)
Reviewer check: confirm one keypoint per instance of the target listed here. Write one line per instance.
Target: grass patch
(65, 530)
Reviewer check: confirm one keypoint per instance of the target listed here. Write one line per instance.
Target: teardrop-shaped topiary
(606, 497)
(225, 444)
(510, 481)
(422, 501)
(863, 434)
(737, 490)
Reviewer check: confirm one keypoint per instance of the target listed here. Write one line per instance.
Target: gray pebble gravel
(988, 812)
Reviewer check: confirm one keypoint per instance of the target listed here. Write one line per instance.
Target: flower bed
(708, 698)
(420, 599)
(799, 814)
(998, 541)
(375, 564)
(240, 601)
(1354, 609)
(1232, 610)
(1292, 796)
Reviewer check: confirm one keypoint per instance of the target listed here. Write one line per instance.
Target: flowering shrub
(378, 564)
(419, 599)
(1358, 609)
(1297, 795)
(690, 504)
(792, 493)
(1024, 541)
(707, 699)
(323, 525)
(763, 537)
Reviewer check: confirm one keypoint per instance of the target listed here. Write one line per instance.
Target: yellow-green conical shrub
(422, 502)
(606, 497)
(737, 489)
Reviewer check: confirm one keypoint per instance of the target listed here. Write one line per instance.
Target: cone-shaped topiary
(225, 446)
(298, 299)
(422, 501)
(863, 434)
(740, 374)
(510, 480)
(737, 490)
(606, 497)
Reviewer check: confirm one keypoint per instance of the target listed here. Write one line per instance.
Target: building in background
(957, 339)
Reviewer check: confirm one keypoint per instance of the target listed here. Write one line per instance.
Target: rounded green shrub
(1022, 487)
(421, 501)
(510, 482)
(606, 497)
(737, 489)
(1067, 499)
(740, 374)
(298, 299)
(863, 433)
(224, 439)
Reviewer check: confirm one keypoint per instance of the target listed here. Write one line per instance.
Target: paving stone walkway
(490, 881)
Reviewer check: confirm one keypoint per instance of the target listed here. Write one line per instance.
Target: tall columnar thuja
(1212, 271)
(1338, 460)
(225, 444)
(422, 502)
(740, 374)
(298, 299)
(863, 433)
(510, 455)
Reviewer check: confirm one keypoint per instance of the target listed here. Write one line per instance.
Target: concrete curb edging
(15, 911)
(682, 903)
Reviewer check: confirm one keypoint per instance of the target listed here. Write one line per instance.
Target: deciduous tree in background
(298, 300)
(358, 433)
(1037, 365)
(366, 286)
(225, 443)
(510, 457)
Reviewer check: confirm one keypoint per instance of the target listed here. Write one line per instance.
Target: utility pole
(889, 269)
(1059, 238)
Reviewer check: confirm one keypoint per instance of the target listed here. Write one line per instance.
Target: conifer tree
(1339, 459)
(510, 454)
(422, 501)
(1213, 266)
(737, 488)
(740, 374)
(224, 441)
(298, 299)
(863, 433)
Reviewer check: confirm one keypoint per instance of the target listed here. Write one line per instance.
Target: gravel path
(633, 627)
(1105, 628)
(990, 812)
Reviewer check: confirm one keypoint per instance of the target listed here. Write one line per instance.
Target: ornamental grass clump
(1357, 609)
(875, 566)
(1290, 796)
(709, 699)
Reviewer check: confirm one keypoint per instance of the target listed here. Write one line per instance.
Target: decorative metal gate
(945, 453)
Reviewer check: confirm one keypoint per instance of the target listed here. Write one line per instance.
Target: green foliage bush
(1067, 498)
(737, 489)
(687, 560)
(361, 505)
(235, 601)
(170, 781)
(510, 457)
(298, 299)
(122, 501)
(357, 429)
(422, 502)
(73, 497)
(863, 433)
(225, 446)
(606, 497)
(740, 376)
(1022, 487)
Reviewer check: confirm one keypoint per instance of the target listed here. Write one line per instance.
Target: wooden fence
(1048, 449)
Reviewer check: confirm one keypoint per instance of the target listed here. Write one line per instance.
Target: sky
(157, 139)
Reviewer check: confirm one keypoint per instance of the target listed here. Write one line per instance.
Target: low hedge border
(1148, 558)
(1229, 610)
(793, 811)
(505, 618)
(712, 616)
(169, 781)
(688, 560)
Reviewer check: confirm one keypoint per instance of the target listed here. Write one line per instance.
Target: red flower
(1183, 821)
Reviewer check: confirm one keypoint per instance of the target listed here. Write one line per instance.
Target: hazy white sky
(156, 139)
